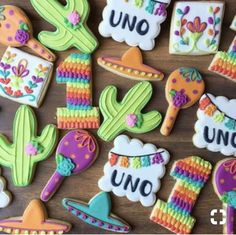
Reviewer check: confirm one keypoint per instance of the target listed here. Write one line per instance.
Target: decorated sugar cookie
(216, 125)
(135, 22)
(27, 149)
(24, 78)
(183, 89)
(224, 63)
(134, 170)
(75, 153)
(191, 174)
(70, 22)
(34, 221)
(131, 66)
(97, 213)
(127, 115)
(225, 187)
(196, 27)
(76, 72)
(5, 196)
(16, 31)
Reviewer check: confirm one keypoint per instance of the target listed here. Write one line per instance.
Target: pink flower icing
(31, 150)
(131, 120)
(74, 18)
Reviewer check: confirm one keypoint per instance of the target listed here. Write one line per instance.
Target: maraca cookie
(76, 152)
(16, 31)
(224, 182)
(184, 88)
(34, 221)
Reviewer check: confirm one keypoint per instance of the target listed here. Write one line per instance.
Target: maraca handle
(52, 186)
(169, 121)
(41, 50)
(229, 220)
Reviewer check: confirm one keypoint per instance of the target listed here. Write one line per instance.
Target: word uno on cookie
(135, 22)
(191, 174)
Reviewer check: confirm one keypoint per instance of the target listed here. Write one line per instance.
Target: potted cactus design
(27, 148)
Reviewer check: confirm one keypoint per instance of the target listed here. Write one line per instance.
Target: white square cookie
(24, 78)
(196, 27)
(135, 22)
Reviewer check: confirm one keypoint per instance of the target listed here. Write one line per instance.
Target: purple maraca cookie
(224, 182)
(75, 153)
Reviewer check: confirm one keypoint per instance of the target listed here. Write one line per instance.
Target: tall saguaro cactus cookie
(70, 22)
(127, 115)
(27, 148)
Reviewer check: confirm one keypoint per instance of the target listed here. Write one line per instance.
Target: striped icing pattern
(75, 71)
(191, 174)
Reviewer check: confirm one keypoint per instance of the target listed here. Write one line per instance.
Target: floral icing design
(22, 34)
(229, 198)
(190, 74)
(73, 20)
(179, 98)
(133, 120)
(85, 140)
(65, 166)
(33, 148)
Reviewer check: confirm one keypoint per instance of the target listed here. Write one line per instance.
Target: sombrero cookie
(34, 221)
(97, 213)
(134, 170)
(131, 65)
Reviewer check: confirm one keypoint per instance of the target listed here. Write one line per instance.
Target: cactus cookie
(27, 148)
(70, 22)
(127, 115)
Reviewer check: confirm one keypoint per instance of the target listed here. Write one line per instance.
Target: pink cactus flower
(131, 120)
(74, 18)
(31, 150)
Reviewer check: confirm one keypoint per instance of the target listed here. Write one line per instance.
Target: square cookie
(24, 78)
(196, 27)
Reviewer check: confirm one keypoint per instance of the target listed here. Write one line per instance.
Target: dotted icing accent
(75, 71)
(191, 174)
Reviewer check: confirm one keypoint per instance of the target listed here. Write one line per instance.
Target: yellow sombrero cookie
(34, 221)
(130, 65)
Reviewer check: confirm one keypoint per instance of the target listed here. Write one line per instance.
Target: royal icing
(24, 78)
(134, 170)
(16, 31)
(135, 22)
(216, 125)
(116, 114)
(224, 63)
(131, 65)
(97, 213)
(16, 155)
(70, 22)
(196, 27)
(5, 196)
(75, 153)
(191, 174)
(34, 221)
(224, 182)
(183, 89)
(76, 72)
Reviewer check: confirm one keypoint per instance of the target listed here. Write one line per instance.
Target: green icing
(229, 198)
(14, 156)
(65, 37)
(115, 113)
(138, 3)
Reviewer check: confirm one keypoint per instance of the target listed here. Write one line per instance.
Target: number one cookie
(75, 71)
(191, 174)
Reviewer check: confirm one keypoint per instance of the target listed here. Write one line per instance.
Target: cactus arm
(150, 121)
(109, 96)
(115, 114)
(6, 152)
(48, 139)
(65, 37)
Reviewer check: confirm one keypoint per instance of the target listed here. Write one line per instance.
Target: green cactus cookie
(70, 21)
(27, 148)
(127, 115)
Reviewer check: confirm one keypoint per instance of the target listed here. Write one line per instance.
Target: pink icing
(131, 120)
(74, 18)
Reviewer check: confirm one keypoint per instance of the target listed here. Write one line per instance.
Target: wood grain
(84, 186)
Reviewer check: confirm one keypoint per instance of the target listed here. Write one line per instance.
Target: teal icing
(230, 198)
(99, 207)
(65, 166)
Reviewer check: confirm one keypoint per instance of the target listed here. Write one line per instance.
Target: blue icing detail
(65, 166)
(79, 107)
(231, 198)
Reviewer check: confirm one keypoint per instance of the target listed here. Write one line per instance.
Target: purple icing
(22, 36)
(180, 99)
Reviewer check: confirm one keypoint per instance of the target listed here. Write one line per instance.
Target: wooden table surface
(179, 143)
